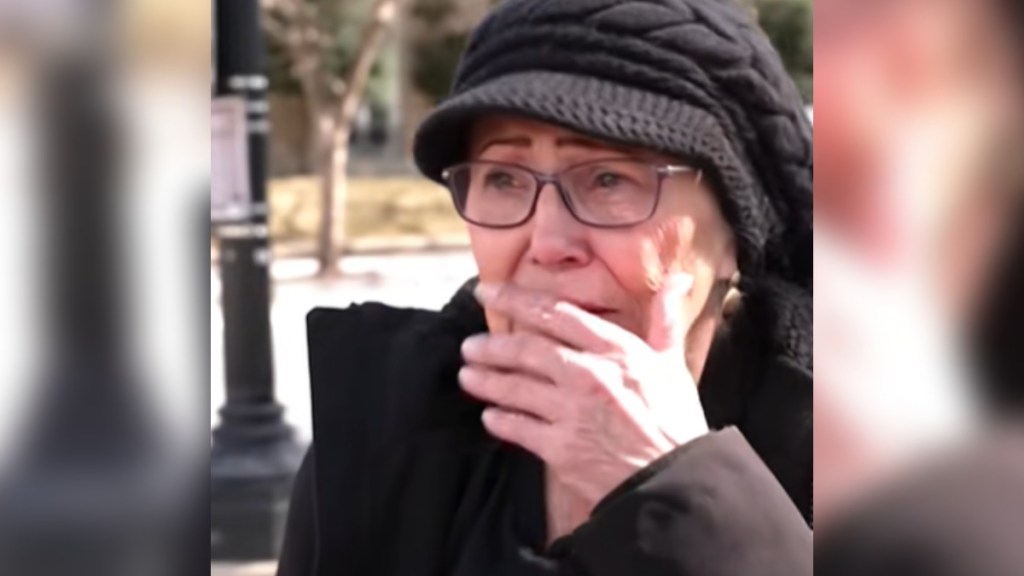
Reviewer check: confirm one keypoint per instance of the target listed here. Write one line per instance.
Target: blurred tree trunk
(332, 100)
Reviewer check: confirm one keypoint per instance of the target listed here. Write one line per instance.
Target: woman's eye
(608, 180)
(501, 180)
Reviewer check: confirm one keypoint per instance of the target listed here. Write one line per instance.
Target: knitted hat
(693, 79)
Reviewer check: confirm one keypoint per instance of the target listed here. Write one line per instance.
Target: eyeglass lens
(604, 193)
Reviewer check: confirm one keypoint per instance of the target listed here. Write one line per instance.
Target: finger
(668, 322)
(512, 391)
(534, 354)
(519, 429)
(562, 320)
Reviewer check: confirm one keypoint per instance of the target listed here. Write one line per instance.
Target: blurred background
(104, 187)
(312, 47)
(919, 267)
(109, 157)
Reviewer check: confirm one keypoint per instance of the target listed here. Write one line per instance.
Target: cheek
(670, 248)
(691, 236)
(496, 252)
(639, 260)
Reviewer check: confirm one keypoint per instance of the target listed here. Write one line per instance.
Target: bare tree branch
(274, 28)
(336, 87)
(288, 7)
(306, 35)
(383, 15)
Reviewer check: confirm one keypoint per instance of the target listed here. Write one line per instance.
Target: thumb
(668, 322)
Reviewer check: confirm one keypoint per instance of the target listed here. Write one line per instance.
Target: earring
(734, 280)
(733, 297)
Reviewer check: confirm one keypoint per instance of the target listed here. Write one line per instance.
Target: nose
(557, 239)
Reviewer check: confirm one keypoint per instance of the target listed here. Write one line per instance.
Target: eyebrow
(515, 141)
(562, 142)
(588, 143)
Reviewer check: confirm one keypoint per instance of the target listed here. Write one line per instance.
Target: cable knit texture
(692, 78)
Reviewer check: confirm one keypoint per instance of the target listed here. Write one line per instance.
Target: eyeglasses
(613, 193)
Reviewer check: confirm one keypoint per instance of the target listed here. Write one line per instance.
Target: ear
(726, 268)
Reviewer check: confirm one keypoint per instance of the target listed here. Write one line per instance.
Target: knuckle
(618, 363)
(504, 347)
(502, 390)
(538, 301)
(518, 346)
(571, 315)
(602, 393)
(592, 387)
(543, 316)
(537, 310)
(484, 381)
(600, 376)
(560, 316)
(564, 357)
(560, 309)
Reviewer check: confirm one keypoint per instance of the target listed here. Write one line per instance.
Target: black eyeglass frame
(541, 179)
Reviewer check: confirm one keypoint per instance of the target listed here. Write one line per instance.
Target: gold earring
(733, 297)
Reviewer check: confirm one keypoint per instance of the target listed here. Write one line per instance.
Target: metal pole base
(253, 463)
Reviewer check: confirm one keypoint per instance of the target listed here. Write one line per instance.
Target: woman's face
(603, 269)
(916, 105)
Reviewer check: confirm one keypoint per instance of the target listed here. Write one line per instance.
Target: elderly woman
(627, 388)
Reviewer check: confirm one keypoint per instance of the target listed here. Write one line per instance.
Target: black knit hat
(691, 78)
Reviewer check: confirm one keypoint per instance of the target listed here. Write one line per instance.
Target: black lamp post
(254, 454)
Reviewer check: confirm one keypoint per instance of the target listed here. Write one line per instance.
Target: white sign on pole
(231, 193)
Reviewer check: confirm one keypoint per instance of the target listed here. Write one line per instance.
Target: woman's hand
(594, 401)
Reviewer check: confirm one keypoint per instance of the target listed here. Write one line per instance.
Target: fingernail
(485, 291)
(473, 344)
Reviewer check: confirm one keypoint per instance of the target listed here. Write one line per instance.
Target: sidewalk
(371, 246)
(248, 569)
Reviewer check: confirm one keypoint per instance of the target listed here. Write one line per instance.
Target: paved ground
(424, 279)
(250, 569)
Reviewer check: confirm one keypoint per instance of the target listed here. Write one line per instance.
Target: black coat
(403, 479)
